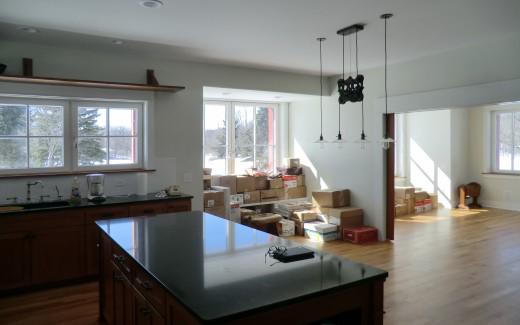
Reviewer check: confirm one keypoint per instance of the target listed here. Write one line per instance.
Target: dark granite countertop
(111, 200)
(218, 268)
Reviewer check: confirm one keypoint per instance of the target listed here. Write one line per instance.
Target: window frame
(230, 134)
(70, 131)
(494, 145)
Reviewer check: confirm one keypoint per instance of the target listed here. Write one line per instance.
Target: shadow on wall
(425, 174)
(312, 175)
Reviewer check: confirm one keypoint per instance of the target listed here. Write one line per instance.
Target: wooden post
(27, 65)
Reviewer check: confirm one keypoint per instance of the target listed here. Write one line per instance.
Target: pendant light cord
(343, 56)
(321, 92)
(386, 81)
(362, 101)
(357, 68)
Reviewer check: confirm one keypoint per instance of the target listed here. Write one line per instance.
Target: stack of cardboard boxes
(214, 203)
(409, 200)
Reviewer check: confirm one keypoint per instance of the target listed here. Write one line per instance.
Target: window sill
(501, 175)
(110, 171)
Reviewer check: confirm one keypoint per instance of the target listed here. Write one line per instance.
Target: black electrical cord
(385, 17)
(321, 39)
(363, 136)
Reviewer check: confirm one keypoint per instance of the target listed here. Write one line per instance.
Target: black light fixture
(386, 141)
(321, 140)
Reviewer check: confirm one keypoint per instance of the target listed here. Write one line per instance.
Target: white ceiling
(274, 34)
(252, 95)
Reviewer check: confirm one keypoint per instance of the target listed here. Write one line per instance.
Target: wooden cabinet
(53, 246)
(123, 302)
(144, 313)
(92, 239)
(58, 254)
(15, 260)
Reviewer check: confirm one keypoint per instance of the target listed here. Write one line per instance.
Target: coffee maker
(95, 185)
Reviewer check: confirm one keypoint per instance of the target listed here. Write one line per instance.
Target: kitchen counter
(84, 203)
(218, 270)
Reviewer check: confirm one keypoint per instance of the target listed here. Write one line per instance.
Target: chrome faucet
(29, 185)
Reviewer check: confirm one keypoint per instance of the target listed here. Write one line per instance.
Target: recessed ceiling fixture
(226, 94)
(117, 42)
(27, 29)
(321, 140)
(151, 3)
(386, 141)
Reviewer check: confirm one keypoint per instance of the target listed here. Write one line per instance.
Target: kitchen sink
(44, 205)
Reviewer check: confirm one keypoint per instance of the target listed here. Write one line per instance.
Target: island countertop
(218, 269)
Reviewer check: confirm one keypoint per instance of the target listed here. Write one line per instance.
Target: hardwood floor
(446, 267)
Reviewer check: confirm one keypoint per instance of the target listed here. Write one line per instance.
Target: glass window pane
(92, 151)
(13, 153)
(123, 121)
(244, 126)
(13, 120)
(264, 126)
(215, 138)
(123, 151)
(215, 158)
(45, 152)
(517, 142)
(45, 120)
(504, 140)
(92, 121)
(244, 159)
(264, 160)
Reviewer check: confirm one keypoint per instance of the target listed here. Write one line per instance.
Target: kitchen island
(192, 268)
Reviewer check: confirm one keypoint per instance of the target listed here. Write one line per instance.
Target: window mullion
(230, 124)
(254, 135)
(27, 134)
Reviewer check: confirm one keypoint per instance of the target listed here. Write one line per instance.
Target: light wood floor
(446, 267)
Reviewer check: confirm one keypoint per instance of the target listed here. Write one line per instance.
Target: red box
(290, 177)
(360, 235)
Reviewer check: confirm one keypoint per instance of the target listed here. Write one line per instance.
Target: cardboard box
(320, 231)
(285, 228)
(404, 192)
(290, 184)
(435, 200)
(305, 215)
(234, 213)
(236, 199)
(252, 197)
(261, 183)
(300, 180)
(225, 181)
(331, 198)
(421, 195)
(360, 235)
(345, 216)
(401, 210)
(292, 162)
(295, 192)
(271, 195)
(216, 211)
(275, 183)
(213, 199)
(245, 184)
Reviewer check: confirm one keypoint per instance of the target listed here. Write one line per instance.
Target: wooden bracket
(27, 65)
(150, 78)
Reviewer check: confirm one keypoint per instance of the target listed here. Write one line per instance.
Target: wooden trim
(89, 83)
(390, 180)
(83, 172)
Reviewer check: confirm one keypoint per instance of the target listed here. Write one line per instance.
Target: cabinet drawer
(177, 206)
(122, 260)
(151, 289)
(93, 214)
(41, 220)
(147, 209)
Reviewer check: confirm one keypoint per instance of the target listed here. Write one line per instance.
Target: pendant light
(321, 140)
(339, 138)
(363, 138)
(386, 141)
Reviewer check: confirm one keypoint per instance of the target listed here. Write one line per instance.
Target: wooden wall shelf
(89, 83)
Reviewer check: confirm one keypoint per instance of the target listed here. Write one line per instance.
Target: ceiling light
(277, 97)
(387, 140)
(226, 94)
(30, 30)
(151, 3)
(321, 140)
(117, 42)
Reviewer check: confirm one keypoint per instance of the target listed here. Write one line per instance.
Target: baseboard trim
(501, 205)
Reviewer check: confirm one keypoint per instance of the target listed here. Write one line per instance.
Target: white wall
(176, 119)
(498, 191)
(427, 83)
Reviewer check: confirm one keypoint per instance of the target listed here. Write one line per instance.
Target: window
(506, 141)
(39, 135)
(238, 136)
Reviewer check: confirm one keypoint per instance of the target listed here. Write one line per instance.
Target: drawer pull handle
(145, 311)
(119, 258)
(118, 277)
(145, 284)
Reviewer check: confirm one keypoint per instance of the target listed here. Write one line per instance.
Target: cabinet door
(144, 313)
(123, 299)
(58, 254)
(15, 260)
(92, 239)
(178, 205)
